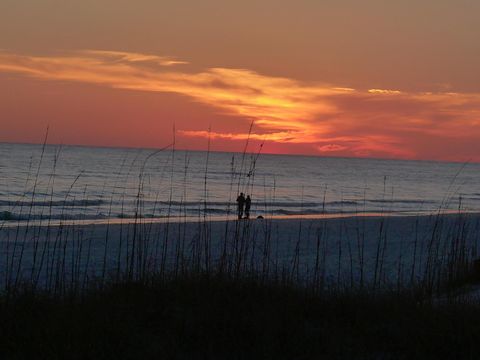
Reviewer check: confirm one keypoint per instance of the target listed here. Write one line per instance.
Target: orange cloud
(134, 57)
(344, 121)
(383, 91)
(331, 148)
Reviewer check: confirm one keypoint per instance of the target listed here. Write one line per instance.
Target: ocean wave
(200, 205)
(297, 212)
(12, 216)
(139, 216)
(53, 203)
(401, 201)
(316, 212)
(258, 204)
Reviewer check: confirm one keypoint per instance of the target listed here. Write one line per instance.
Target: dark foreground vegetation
(214, 318)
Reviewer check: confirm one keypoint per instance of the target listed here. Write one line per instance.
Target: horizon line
(241, 152)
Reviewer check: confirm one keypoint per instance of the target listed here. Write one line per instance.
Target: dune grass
(200, 317)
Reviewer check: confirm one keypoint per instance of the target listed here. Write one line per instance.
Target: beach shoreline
(228, 218)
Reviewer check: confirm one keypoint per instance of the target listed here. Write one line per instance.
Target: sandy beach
(342, 249)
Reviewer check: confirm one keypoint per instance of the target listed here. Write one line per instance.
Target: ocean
(89, 183)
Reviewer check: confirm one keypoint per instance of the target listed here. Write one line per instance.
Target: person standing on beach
(241, 204)
(248, 203)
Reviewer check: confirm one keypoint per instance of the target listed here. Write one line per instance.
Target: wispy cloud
(332, 119)
(133, 57)
(384, 91)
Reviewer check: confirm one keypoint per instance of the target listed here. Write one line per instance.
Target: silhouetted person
(248, 203)
(241, 204)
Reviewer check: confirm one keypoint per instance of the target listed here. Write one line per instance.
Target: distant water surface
(87, 183)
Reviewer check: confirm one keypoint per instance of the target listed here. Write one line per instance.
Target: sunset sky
(389, 79)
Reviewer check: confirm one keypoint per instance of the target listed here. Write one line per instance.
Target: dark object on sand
(259, 217)
(248, 203)
(241, 204)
